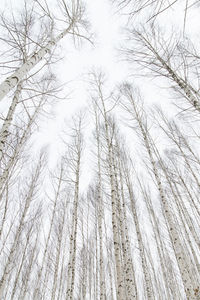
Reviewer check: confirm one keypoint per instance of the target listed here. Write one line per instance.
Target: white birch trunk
(109, 263)
(75, 223)
(182, 261)
(10, 258)
(147, 277)
(100, 214)
(20, 266)
(40, 271)
(120, 288)
(27, 275)
(11, 81)
(57, 260)
(120, 280)
(6, 124)
(13, 160)
(131, 291)
(168, 282)
(73, 238)
(190, 93)
(176, 242)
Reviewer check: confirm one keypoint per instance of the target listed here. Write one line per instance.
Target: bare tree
(162, 56)
(74, 162)
(24, 215)
(117, 226)
(100, 210)
(183, 261)
(72, 17)
(155, 9)
(125, 173)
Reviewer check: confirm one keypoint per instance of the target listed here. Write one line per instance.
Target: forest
(106, 206)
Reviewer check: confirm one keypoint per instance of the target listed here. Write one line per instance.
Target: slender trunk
(170, 288)
(11, 81)
(57, 260)
(7, 122)
(28, 272)
(182, 260)
(120, 280)
(126, 251)
(39, 275)
(21, 265)
(100, 214)
(13, 159)
(10, 258)
(147, 277)
(73, 237)
(175, 239)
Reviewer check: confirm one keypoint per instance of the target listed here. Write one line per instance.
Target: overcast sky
(107, 27)
(77, 63)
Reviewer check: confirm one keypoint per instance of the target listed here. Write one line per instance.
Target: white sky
(77, 62)
(107, 28)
